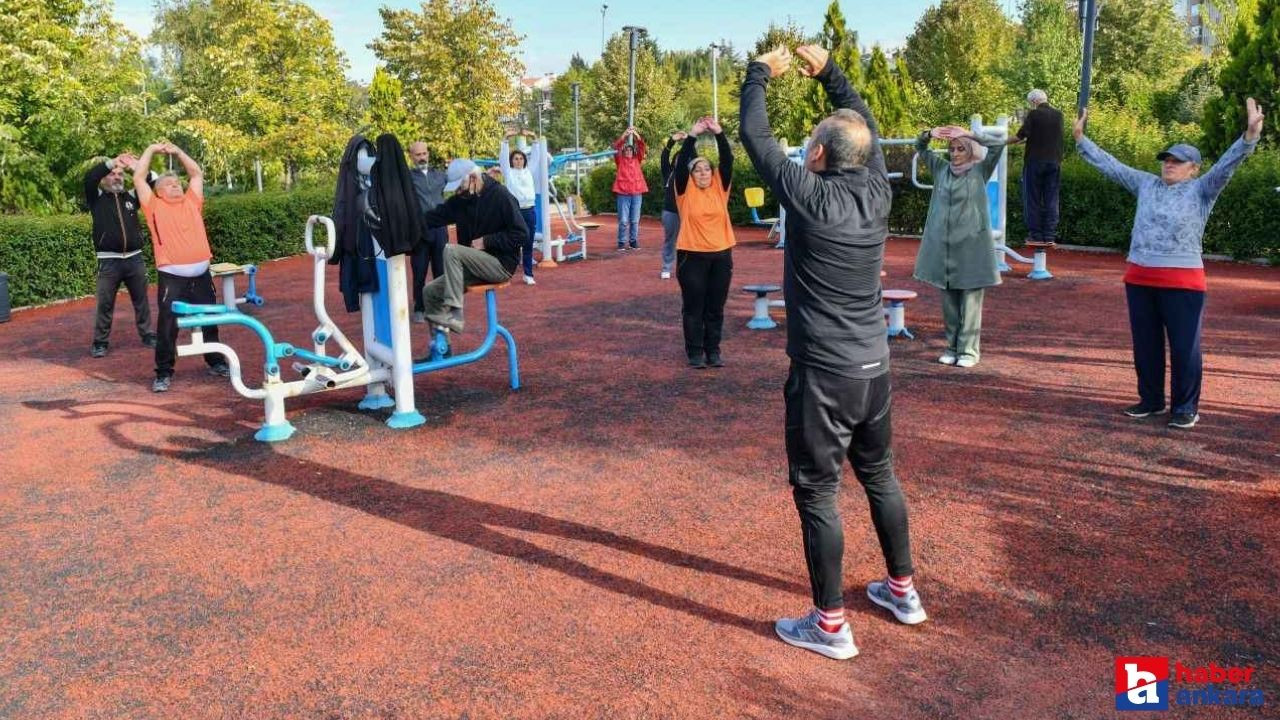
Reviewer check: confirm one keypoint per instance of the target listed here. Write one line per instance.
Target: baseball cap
(459, 169)
(1183, 152)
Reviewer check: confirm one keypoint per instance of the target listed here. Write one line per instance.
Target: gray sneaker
(804, 632)
(907, 609)
(160, 384)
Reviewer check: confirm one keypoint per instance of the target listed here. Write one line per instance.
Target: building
(1201, 33)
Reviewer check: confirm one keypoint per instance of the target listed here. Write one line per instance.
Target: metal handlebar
(331, 244)
(915, 176)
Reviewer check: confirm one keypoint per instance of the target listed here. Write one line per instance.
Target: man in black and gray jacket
(428, 185)
(837, 394)
(117, 241)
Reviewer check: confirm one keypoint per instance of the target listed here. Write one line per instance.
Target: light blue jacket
(1169, 225)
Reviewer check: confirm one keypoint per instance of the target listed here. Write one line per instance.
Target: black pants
(704, 286)
(829, 418)
(428, 255)
(1040, 183)
(1153, 312)
(111, 273)
(199, 290)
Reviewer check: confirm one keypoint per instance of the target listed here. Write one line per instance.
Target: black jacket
(688, 152)
(494, 215)
(668, 178)
(837, 223)
(115, 215)
(1043, 132)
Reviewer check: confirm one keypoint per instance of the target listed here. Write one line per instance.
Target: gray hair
(845, 137)
(1037, 96)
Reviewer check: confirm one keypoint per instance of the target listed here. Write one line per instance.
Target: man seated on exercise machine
(483, 209)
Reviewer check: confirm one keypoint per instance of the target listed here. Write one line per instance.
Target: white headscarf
(977, 153)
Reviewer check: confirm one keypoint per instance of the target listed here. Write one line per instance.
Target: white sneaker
(907, 609)
(948, 358)
(804, 632)
(967, 361)
(528, 280)
(666, 275)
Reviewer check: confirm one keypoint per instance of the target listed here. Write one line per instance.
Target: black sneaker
(160, 384)
(697, 363)
(1184, 421)
(1142, 410)
(220, 370)
(713, 359)
(98, 350)
(635, 247)
(149, 340)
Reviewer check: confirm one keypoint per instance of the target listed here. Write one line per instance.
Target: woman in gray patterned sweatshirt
(1164, 281)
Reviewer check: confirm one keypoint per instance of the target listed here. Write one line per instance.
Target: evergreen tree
(884, 97)
(1253, 71)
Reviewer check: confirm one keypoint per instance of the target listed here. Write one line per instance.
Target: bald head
(419, 153)
(839, 142)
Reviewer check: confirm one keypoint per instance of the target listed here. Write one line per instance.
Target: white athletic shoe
(528, 280)
(907, 609)
(666, 275)
(967, 361)
(948, 358)
(804, 632)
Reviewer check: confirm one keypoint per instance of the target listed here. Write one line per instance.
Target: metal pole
(1089, 17)
(635, 33)
(603, 9)
(576, 88)
(715, 94)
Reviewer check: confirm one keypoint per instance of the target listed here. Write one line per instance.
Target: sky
(554, 30)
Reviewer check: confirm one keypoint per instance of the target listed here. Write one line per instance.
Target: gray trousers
(463, 266)
(670, 233)
(132, 272)
(962, 315)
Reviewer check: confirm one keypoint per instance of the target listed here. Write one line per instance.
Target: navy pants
(1154, 313)
(530, 217)
(1040, 183)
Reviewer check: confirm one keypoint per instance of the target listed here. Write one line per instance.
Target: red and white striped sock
(900, 586)
(831, 620)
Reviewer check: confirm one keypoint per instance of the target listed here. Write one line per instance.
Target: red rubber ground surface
(615, 539)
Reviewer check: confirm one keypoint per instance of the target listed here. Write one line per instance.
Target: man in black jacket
(117, 241)
(482, 209)
(428, 185)
(837, 394)
(1041, 168)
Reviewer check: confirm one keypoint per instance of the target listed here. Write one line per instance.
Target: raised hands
(126, 160)
(1253, 120)
(778, 60)
(699, 127)
(714, 126)
(679, 136)
(1078, 130)
(510, 133)
(949, 132)
(815, 58)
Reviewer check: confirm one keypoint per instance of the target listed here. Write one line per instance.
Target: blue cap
(1183, 152)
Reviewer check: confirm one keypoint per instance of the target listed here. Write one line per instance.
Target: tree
(1047, 52)
(387, 113)
(560, 128)
(1141, 47)
(1251, 72)
(909, 92)
(605, 109)
(789, 104)
(957, 51)
(266, 73)
(456, 61)
(72, 86)
(884, 97)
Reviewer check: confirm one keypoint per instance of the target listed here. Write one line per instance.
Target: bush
(51, 258)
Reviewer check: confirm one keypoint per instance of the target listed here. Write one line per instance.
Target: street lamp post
(1089, 20)
(603, 9)
(715, 91)
(576, 89)
(635, 33)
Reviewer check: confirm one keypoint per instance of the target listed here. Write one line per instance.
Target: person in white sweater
(517, 175)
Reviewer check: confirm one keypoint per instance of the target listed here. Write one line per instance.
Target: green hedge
(51, 258)
(1245, 223)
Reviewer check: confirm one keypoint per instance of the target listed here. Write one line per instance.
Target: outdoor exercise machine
(386, 366)
(228, 272)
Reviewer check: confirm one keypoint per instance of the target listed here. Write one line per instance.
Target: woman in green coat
(956, 254)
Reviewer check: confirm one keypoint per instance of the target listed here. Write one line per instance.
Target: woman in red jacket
(630, 187)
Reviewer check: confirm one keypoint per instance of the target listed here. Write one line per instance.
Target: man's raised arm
(785, 179)
(819, 66)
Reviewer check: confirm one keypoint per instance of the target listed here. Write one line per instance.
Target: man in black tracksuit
(838, 393)
(482, 209)
(117, 241)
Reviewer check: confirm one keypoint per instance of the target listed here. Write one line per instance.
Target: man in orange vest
(174, 217)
